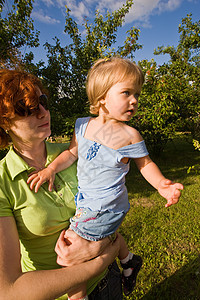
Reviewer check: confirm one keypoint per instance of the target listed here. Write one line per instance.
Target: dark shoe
(129, 282)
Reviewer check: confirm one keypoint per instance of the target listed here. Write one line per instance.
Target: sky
(158, 21)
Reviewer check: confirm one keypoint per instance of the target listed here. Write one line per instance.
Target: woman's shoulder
(2, 165)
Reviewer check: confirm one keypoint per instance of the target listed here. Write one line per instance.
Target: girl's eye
(126, 93)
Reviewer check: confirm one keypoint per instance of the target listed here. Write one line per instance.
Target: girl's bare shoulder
(134, 135)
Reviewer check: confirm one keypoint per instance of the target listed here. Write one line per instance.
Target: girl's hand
(73, 249)
(37, 179)
(170, 191)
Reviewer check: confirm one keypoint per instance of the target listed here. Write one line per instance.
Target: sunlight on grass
(166, 238)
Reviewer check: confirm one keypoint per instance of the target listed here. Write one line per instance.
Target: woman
(30, 224)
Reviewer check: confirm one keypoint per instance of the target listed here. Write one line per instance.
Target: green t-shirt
(41, 216)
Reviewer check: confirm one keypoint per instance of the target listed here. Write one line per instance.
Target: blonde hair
(107, 72)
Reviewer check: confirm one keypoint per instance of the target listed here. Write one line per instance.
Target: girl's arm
(63, 161)
(166, 188)
(47, 284)
(66, 158)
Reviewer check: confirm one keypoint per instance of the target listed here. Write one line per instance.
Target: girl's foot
(129, 282)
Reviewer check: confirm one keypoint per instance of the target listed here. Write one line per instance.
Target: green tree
(195, 168)
(16, 31)
(156, 110)
(183, 77)
(67, 66)
(170, 97)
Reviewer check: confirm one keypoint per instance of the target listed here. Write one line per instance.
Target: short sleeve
(5, 207)
(80, 126)
(136, 150)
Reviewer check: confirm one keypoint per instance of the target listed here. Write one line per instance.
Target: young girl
(104, 146)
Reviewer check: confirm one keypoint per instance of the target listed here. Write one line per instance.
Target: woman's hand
(108, 255)
(73, 249)
(37, 179)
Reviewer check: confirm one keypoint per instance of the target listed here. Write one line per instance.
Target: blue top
(101, 174)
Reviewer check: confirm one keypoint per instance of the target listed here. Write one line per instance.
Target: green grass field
(166, 238)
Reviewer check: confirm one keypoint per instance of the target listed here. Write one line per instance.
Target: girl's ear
(102, 101)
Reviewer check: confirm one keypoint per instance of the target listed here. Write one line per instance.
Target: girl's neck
(105, 118)
(109, 132)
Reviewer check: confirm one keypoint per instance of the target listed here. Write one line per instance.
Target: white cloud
(56, 3)
(169, 5)
(48, 2)
(79, 9)
(139, 13)
(40, 16)
(141, 9)
(61, 3)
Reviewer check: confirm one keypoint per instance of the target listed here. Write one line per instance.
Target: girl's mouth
(130, 111)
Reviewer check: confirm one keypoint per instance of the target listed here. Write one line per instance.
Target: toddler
(104, 146)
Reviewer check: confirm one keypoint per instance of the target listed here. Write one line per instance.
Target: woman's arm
(42, 285)
(68, 243)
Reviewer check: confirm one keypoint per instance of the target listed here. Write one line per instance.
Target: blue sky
(157, 20)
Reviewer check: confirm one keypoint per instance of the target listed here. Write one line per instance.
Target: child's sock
(82, 298)
(127, 272)
(127, 258)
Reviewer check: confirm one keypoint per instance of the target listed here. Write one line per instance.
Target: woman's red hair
(15, 85)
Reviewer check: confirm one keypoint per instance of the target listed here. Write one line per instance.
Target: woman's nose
(42, 112)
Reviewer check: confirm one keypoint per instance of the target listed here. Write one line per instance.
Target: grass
(166, 238)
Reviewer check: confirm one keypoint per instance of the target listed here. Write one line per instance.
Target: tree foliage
(157, 109)
(170, 97)
(183, 77)
(16, 30)
(68, 66)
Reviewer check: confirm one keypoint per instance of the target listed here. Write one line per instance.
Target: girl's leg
(131, 265)
(123, 251)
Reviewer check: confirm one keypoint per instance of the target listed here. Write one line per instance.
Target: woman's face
(30, 129)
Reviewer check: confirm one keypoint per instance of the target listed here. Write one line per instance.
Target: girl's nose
(133, 100)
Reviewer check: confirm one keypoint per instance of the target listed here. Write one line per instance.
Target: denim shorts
(95, 225)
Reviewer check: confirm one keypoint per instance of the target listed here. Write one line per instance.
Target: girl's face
(33, 128)
(121, 101)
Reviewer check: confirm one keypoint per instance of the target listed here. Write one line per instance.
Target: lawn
(166, 238)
